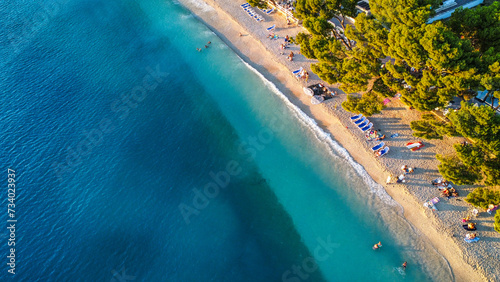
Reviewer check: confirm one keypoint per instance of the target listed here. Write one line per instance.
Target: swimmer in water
(404, 265)
(206, 46)
(209, 42)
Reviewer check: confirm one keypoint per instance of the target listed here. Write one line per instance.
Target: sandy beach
(469, 262)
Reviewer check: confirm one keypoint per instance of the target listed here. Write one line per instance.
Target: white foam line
(334, 146)
(201, 5)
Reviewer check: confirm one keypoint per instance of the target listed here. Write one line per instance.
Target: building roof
(444, 11)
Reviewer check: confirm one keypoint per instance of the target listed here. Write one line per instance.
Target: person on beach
(240, 34)
(290, 57)
(404, 265)
(307, 76)
(286, 39)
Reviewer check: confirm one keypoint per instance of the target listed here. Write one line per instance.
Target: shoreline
(440, 230)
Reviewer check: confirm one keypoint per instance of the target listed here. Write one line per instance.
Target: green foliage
(480, 25)
(368, 104)
(470, 155)
(453, 169)
(340, 60)
(380, 88)
(258, 3)
(407, 12)
(444, 49)
(480, 124)
(429, 127)
(496, 225)
(491, 169)
(483, 197)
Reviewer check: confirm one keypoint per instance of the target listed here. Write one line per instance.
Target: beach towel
(435, 200)
(471, 240)
(387, 101)
(430, 205)
(466, 227)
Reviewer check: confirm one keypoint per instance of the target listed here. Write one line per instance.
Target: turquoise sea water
(139, 158)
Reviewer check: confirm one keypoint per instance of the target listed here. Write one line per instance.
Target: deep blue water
(114, 124)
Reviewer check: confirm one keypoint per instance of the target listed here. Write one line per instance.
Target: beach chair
(245, 5)
(360, 120)
(378, 147)
(271, 27)
(382, 152)
(353, 118)
(296, 72)
(368, 127)
(270, 11)
(363, 124)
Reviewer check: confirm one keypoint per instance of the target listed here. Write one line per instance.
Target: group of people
(406, 169)
(470, 226)
(374, 135)
(449, 192)
(273, 36)
(379, 245)
(303, 74)
(206, 46)
(470, 236)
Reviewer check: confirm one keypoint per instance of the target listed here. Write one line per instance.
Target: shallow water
(115, 124)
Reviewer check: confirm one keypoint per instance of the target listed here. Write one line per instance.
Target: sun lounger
(353, 118)
(297, 71)
(271, 27)
(363, 124)
(270, 11)
(245, 5)
(368, 127)
(378, 147)
(382, 152)
(360, 120)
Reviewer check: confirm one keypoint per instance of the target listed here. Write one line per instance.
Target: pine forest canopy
(427, 63)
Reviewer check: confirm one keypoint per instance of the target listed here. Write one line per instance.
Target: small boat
(414, 145)
(317, 99)
(308, 91)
